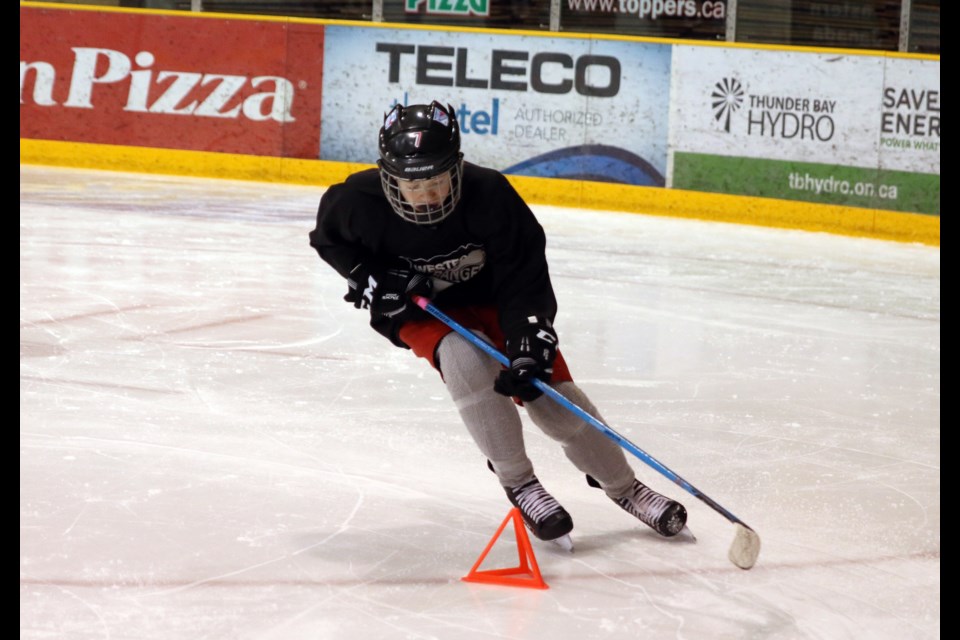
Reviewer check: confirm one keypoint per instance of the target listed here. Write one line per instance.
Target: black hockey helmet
(420, 153)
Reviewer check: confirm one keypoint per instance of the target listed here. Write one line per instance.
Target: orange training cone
(527, 574)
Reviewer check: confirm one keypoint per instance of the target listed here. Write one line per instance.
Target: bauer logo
(448, 7)
(176, 92)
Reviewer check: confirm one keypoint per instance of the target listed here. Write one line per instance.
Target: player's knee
(556, 421)
(463, 365)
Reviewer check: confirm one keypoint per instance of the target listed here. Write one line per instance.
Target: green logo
(450, 7)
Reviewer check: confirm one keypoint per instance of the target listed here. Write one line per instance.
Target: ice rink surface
(214, 445)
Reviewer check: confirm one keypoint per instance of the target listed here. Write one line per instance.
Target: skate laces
(645, 503)
(535, 502)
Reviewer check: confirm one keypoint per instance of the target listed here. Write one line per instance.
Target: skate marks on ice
(213, 445)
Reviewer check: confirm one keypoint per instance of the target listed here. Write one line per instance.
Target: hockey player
(425, 222)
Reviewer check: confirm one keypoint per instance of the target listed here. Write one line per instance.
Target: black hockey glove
(391, 294)
(361, 283)
(531, 348)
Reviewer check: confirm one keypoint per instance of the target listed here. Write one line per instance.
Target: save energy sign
(539, 106)
(843, 129)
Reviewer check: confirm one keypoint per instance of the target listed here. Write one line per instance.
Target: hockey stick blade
(746, 543)
(564, 542)
(745, 548)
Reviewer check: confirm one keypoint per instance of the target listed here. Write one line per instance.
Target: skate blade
(685, 534)
(565, 542)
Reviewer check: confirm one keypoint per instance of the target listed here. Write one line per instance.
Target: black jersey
(490, 250)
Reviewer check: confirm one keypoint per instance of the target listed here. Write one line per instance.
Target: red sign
(175, 82)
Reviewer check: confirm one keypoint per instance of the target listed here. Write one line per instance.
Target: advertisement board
(232, 86)
(838, 128)
(688, 19)
(910, 116)
(527, 105)
(807, 126)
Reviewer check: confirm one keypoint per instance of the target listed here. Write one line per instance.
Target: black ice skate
(665, 516)
(542, 514)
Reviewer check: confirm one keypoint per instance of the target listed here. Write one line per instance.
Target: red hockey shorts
(423, 336)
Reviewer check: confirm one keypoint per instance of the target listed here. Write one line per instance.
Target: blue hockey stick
(746, 544)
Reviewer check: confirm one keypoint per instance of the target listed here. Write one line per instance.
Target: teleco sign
(171, 82)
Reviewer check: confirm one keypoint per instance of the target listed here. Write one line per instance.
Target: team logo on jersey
(459, 265)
